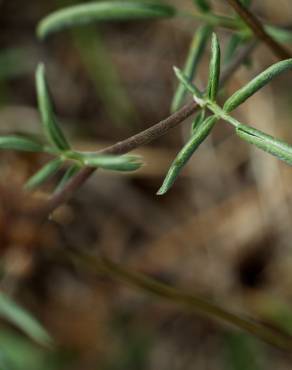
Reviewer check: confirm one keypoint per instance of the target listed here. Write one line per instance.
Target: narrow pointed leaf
(198, 120)
(187, 151)
(267, 143)
(50, 125)
(44, 174)
(256, 84)
(22, 143)
(70, 172)
(279, 34)
(113, 162)
(186, 82)
(23, 320)
(194, 57)
(214, 69)
(102, 11)
(246, 3)
(202, 5)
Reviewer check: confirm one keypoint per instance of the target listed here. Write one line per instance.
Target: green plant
(80, 165)
(58, 146)
(207, 101)
(19, 317)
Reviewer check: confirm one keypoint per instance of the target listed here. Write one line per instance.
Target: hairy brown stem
(142, 138)
(259, 31)
(122, 147)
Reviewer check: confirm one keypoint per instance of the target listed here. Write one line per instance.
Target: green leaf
(243, 352)
(198, 120)
(187, 151)
(44, 174)
(256, 84)
(214, 69)
(279, 34)
(113, 162)
(186, 82)
(19, 317)
(50, 124)
(202, 5)
(70, 172)
(268, 143)
(22, 143)
(246, 3)
(102, 11)
(194, 57)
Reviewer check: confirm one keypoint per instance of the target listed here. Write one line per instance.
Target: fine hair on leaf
(214, 69)
(50, 125)
(198, 120)
(241, 95)
(267, 143)
(113, 162)
(186, 152)
(194, 57)
(186, 82)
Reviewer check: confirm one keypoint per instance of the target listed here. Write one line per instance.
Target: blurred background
(223, 231)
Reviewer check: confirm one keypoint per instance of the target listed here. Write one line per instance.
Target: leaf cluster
(202, 125)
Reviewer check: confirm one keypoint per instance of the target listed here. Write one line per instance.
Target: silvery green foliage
(113, 162)
(256, 84)
(198, 136)
(268, 143)
(202, 127)
(100, 11)
(44, 174)
(18, 316)
(58, 146)
(194, 57)
(214, 70)
(20, 143)
(50, 125)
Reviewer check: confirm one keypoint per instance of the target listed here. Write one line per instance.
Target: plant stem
(133, 142)
(192, 302)
(217, 110)
(122, 147)
(259, 31)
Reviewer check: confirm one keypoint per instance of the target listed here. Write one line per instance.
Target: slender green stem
(192, 302)
(217, 110)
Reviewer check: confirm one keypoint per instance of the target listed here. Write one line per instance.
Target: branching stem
(259, 31)
(133, 142)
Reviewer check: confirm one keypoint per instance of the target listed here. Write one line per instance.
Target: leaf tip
(40, 32)
(162, 190)
(176, 70)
